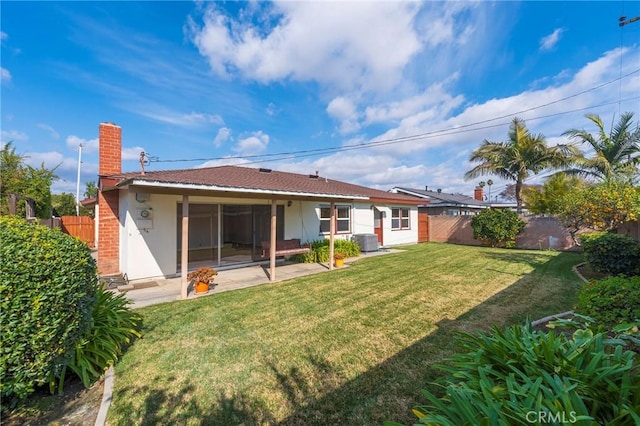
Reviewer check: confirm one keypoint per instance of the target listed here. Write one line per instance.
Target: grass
(353, 346)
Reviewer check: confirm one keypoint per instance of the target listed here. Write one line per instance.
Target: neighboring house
(441, 203)
(150, 222)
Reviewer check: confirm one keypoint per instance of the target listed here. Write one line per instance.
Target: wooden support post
(332, 231)
(272, 244)
(184, 262)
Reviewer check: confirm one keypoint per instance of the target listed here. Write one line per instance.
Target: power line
(422, 136)
(434, 133)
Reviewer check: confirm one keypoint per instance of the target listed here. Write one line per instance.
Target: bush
(47, 292)
(510, 376)
(611, 253)
(320, 251)
(611, 301)
(113, 326)
(497, 227)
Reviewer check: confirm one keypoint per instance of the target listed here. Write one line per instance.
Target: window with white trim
(400, 219)
(343, 219)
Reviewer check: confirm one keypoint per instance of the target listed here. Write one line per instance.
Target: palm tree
(616, 155)
(519, 156)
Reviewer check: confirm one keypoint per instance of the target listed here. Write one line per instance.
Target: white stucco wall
(148, 249)
(393, 237)
(149, 246)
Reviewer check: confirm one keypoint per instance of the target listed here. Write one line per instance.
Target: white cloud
(223, 162)
(88, 145)
(550, 41)
(342, 44)
(3, 35)
(272, 110)
(51, 130)
(222, 136)
(132, 153)
(344, 110)
(451, 128)
(51, 160)
(5, 75)
(176, 118)
(254, 144)
(13, 135)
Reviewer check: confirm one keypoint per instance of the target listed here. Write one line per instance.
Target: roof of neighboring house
(89, 202)
(439, 199)
(236, 178)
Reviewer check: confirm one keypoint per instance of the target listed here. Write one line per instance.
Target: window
(343, 219)
(400, 219)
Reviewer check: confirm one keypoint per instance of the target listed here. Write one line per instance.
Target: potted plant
(338, 260)
(202, 277)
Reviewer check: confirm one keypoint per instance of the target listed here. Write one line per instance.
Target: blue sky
(225, 82)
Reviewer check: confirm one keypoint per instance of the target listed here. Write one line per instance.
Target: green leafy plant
(514, 375)
(320, 251)
(611, 253)
(612, 301)
(113, 326)
(47, 293)
(497, 227)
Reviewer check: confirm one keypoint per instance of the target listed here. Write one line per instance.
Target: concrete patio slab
(168, 290)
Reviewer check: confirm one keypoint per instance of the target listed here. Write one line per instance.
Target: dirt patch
(75, 406)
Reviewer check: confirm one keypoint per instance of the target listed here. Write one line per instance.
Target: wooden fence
(82, 227)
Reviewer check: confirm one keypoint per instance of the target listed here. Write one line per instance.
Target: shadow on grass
(389, 390)
(180, 406)
(386, 391)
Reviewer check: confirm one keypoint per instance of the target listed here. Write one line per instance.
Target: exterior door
(423, 227)
(377, 224)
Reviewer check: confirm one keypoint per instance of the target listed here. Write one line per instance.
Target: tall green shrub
(497, 227)
(47, 293)
(611, 253)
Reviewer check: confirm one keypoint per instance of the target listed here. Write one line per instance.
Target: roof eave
(256, 191)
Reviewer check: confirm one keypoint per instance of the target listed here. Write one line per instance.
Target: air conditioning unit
(367, 242)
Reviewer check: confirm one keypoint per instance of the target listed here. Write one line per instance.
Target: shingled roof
(439, 198)
(236, 178)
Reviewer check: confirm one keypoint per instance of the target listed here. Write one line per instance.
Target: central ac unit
(367, 242)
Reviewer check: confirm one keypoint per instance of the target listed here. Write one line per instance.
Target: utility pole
(78, 182)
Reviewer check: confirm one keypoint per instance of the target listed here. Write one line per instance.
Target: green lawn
(352, 346)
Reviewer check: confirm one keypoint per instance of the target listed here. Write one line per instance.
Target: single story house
(442, 203)
(163, 223)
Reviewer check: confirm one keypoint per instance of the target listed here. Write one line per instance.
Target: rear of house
(150, 222)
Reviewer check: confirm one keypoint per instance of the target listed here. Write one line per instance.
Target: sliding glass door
(233, 238)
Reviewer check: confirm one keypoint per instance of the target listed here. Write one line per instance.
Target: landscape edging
(106, 397)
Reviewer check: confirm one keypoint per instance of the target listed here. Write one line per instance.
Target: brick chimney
(108, 201)
(478, 193)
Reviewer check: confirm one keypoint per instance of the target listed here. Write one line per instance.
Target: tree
(25, 181)
(509, 191)
(63, 204)
(91, 190)
(603, 207)
(515, 159)
(497, 227)
(545, 199)
(616, 155)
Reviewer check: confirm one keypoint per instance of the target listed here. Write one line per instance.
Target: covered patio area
(146, 293)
